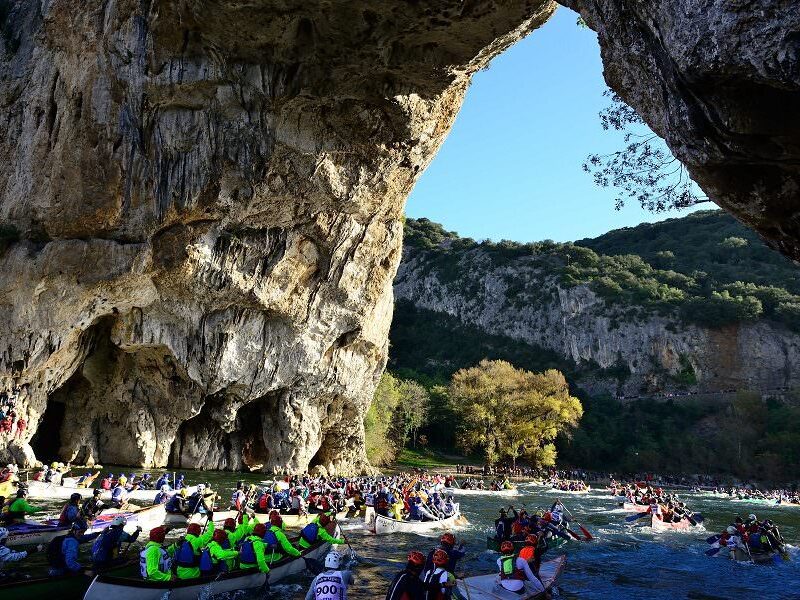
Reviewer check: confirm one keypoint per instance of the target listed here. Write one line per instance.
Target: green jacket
(322, 534)
(219, 553)
(261, 558)
(156, 565)
(285, 546)
(198, 542)
(20, 505)
(241, 532)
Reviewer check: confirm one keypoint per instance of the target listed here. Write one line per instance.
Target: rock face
(526, 302)
(720, 81)
(208, 195)
(208, 200)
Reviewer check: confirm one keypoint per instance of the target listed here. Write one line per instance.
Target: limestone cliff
(207, 196)
(607, 345)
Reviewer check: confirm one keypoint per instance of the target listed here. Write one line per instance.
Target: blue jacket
(69, 548)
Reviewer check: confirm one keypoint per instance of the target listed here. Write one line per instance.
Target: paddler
(163, 495)
(155, 561)
(62, 552)
(439, 577)
(447, 543)
(7, 555)
(20, 507)
(106, 548)
(515, 571)
(252, 551)
(332, 583)
(278, 545)
(119, 495)
(218, 556)
(201, 502)
(176, 505)
(316, 530)
(71, 511)
(407, 584)
(187, 558)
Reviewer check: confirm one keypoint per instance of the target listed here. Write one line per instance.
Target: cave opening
(46, 442)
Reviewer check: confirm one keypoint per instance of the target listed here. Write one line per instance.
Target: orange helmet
(441, 558)
(449, 539)
(532, 539)
(416, 558)
(507, 547)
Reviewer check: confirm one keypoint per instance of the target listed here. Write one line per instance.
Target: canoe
(462, 492)
(487, 587)
(759, 558)
(631, 507)
(132, 587)
(289, 521)
(147, 518)
(52, 491)
(657, 524)
(65, 587)
(384, 525)
(31, 533)
(144, 495)
(560, 491)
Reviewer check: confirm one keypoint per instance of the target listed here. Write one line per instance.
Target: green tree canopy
(509, 412)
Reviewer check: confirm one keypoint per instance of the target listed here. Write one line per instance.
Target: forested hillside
(687, 307)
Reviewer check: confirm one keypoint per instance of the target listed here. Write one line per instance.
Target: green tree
(379, 420)
(411, 412)
(509, 412)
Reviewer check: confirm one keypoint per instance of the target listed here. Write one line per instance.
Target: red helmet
(230, 524)
(220, 536)
(158, 534)
(532, 539)
(440, 558)
(260, 530)
(324, 519)
(194, 529)
(416, 558)
(507, 547)
(548, 516)
(449, 539)
(275, 519)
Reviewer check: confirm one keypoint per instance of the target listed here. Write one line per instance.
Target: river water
(623, 561)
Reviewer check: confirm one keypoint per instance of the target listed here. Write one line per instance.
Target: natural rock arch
(222, 212)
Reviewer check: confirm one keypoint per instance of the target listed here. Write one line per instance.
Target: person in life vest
(332, 583)
(20, 507)
(92, 506)
(236, 534)
(238, 497)
(187, 557)
(439, 576)
(218, 556)
(655, 509)
(119, 495)
(62, 552)
(514, 571)
(71, 511)
(252, 550)
(201, 502)
(176, 505)
(447, 543)
(106, 548)
(315, 531)
(163, 495)
(155, 561)
(7, 555)
(502, 525)
(407, 584)
(277, 544)
(163, 481)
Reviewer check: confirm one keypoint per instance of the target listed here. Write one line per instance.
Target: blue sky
(511, 166)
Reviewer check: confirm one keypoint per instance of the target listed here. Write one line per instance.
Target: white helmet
(731, 530)
(333, 560)
(164, 488)
(118, 522)
(3, 534)
(751, 517)
(200, 487)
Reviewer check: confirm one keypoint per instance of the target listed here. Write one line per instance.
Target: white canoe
(560, 491)
(144, 495)
(289, 521)
(384, 525)
(487, 587)
(463, 492)
(51, 491)
(657, 524)
(32, 533)
(147, 518)
(134, 588)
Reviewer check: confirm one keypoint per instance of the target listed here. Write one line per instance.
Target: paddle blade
(585, 532)
(635, 517)
(713, 539)
(574, 535)
(713, 551)
(698, 517)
